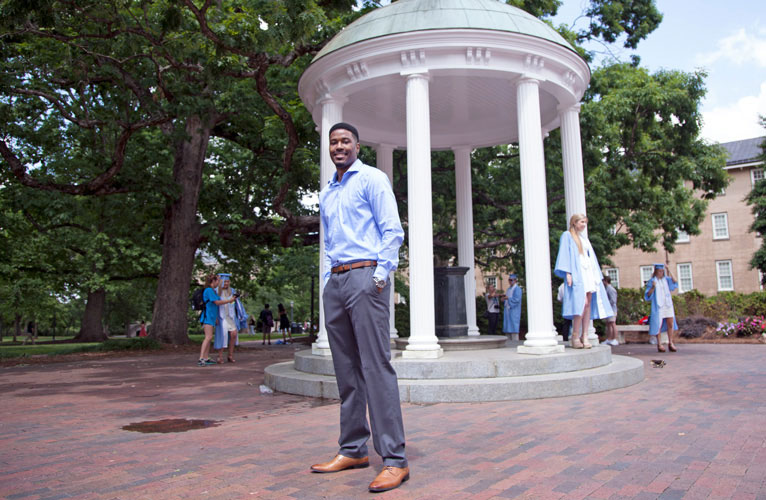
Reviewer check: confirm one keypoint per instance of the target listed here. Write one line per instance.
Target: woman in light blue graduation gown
(512, 306)
(663, 316)
(231, 318)
(584, 291)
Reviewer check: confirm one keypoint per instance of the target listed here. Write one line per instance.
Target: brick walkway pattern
(693, 429)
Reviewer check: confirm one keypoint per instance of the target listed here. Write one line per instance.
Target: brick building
(718, 259)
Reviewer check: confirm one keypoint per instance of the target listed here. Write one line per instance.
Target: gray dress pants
(356, 317)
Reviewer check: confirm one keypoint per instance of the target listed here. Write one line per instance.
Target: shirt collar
(354, 168)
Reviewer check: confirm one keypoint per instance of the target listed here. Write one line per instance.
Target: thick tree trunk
(91, 329)
(180, 237)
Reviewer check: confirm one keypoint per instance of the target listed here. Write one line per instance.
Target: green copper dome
(407, 16)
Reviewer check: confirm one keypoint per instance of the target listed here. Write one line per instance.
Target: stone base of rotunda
(473, 376)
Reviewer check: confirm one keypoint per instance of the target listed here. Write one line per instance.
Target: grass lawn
(9, 349)
(21, 351)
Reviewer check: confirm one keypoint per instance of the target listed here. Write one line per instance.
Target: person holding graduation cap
(512, 306)
(584, 294)
(663, 316)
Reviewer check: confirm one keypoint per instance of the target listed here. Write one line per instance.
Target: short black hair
(266, 306)
(345, 126)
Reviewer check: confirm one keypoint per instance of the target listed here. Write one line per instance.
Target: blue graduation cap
(659, 266)
(512, 276)
(224, 276)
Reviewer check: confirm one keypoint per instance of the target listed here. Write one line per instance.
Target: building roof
(744, 151)
(419, 15)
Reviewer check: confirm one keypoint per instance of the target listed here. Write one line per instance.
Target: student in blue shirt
(209, 317)
(362, 235)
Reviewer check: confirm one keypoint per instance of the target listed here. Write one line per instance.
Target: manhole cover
(171, 425)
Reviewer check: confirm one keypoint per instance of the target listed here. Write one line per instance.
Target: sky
(727, 39)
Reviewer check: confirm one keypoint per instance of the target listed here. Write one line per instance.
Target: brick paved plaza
(693, 429)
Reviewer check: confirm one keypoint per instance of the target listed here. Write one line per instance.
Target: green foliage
(723, 307)
(609, 20)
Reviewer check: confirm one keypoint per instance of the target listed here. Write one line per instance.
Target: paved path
(693, 429)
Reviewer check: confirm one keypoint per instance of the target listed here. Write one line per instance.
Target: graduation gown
(512, 310)
(656, 325)
(221, 340)
(568, 261)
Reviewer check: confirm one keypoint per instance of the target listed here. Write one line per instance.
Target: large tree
(180, 73)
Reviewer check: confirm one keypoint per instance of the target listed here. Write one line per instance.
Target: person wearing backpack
(209, 317)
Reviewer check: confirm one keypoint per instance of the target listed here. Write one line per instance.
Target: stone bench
(634, 334)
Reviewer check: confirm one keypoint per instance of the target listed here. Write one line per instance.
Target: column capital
(384, 147)
(563, 108)
(332, 99)
(460, 149)
(415, 74)
(527, 79)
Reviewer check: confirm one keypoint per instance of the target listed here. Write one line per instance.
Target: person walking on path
(284, 323)
(209, 317)
(362, 235)
(584, 293)
(493, 308)
(512, 307)
(267, 323)
(611, 321)
(663, 316)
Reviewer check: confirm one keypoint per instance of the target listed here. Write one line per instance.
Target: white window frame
(681, 287)
(760, 280)
(683, 236)
(756, 172)
(718, 265)
(614, 275)
(490, 280)
(726, 225)
(641, 271)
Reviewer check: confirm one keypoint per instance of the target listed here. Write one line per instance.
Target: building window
(646, 274)
(720, 226)
(614, 275)
(760, 279)
(490, 280)
(724, 272)
(683, 236)
(685, 281)
(756, 175)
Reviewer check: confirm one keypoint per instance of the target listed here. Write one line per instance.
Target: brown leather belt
(354, 265)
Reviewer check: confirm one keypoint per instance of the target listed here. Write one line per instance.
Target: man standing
(512, 308)
(493, 308)
(362, 235)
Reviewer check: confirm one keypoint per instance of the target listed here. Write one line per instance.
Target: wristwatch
(379, 282)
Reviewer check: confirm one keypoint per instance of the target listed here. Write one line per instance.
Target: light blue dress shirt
(360, 220)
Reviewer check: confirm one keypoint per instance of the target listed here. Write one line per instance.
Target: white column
(465, 258)
(422, 341)
(541, 337)
(332, 113)
(574, 181)
(571, 149)
(385, 158)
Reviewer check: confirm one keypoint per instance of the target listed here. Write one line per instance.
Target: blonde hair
(576, 237)
(221, 290)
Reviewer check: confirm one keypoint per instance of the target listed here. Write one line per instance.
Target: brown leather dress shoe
(340, 463)
(390, 478)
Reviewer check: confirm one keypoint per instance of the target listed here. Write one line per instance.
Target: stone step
(621, 372)
(488, 363)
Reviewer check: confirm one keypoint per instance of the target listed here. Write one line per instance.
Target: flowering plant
(750, 325)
